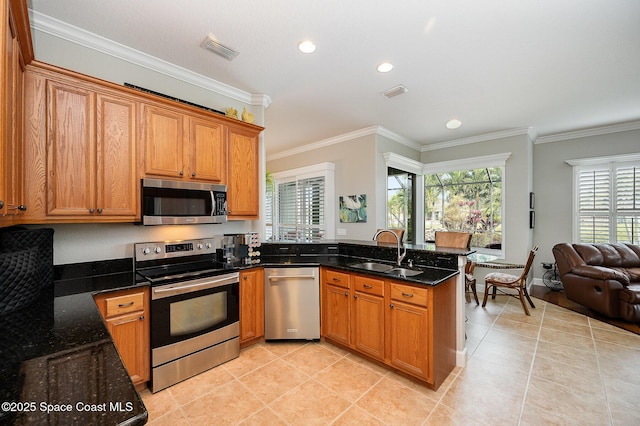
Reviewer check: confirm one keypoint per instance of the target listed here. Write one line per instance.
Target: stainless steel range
(194, 308)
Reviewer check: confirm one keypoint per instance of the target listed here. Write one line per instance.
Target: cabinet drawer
(369, 285)
(337, 278)
(124, 304)
(409, 294)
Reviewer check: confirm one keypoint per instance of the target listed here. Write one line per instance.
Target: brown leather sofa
(602, 277)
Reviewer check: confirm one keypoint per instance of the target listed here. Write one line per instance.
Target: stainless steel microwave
(168, 202)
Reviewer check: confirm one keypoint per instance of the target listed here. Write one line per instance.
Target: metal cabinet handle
(193, 174)
(141, 317)
(125, 305)
(346, 294)
(92, 210)
(1, 204)
(99, 210)
(391, 305)
(336, 279)
(181, 172)
(21, 207)
(407, 294)
(355, 296)
(367, 286)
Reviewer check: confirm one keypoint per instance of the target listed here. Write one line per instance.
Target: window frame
(325, 170)
(611, 164)
(399, 162)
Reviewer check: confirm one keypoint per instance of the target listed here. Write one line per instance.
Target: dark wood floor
(558, 298)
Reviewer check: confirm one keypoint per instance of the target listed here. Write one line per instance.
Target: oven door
(189, 313)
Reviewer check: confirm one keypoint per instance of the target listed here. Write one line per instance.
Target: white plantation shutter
(608, 203)
(301, 205)
(594, 200)
(628, 204)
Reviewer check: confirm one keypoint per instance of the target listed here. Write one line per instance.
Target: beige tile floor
(554, 367)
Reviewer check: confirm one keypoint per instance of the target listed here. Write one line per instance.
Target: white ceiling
(552, 65)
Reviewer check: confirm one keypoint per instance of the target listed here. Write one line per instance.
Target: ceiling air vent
(216, 47)
(394, 91)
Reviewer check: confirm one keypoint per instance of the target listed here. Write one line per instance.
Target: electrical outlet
(342, 231)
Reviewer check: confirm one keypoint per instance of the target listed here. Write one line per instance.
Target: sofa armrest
(600, 273)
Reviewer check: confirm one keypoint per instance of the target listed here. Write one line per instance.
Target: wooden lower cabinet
(409, 337)
(368, 316)
(126, 315)
(410, 328)
(335, 323)
(251, 306)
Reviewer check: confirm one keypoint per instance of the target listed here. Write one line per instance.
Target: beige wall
(553, 182)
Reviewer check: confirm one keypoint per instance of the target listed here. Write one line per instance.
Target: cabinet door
(117, 186)
(251, 304)
(336, 313)
(409, 339)
(11, 158)
(126, 315)
(164, 141)
(242, 179)
(70, 150)
(129, 335)
(368, 320)
(207, 150)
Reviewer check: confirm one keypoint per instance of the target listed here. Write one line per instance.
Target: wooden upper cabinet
(207, 150)
(183, 146)
(117, 177)
(164, 142)
(12, 63)
(70, 150)
(242, 179)
(91, 156)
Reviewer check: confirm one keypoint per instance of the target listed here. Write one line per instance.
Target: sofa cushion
(590, 254)
(634, 274)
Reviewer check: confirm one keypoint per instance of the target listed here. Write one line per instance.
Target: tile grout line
(602, 383)
(533, 361)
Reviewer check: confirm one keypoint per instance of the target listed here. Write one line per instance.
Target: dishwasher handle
(312, 276)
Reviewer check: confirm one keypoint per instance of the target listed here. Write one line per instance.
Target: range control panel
(168, 249)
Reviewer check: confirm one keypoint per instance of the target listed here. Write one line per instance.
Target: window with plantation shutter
(303, 204)
(608, 202)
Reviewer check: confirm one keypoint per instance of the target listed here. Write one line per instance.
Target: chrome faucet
(400, 255)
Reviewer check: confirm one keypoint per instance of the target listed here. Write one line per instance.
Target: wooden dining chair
(453, 239)
(460, 240)
(519, 283)
(385, 237)
(470, 281)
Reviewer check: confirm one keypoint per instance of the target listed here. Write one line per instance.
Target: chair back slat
(453, 239)
(527, 266)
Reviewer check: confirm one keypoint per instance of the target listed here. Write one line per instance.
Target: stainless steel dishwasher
(292, 303)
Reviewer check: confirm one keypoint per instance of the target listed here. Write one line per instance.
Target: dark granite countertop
(58, 364)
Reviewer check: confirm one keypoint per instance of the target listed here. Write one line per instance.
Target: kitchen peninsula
(58, 352)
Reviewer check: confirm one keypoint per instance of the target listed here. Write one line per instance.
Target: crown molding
(622, 158)
(529, 131)
(594, 131)
(403, 163)
(73, 34)
(367, 131)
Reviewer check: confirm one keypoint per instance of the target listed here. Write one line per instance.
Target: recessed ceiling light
(385, 67)
(453, 124)
(307, 46)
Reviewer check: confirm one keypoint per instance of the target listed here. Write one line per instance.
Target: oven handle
(175, 289)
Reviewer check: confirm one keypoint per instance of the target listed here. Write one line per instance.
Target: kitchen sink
(403, 272)
(372, 266)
